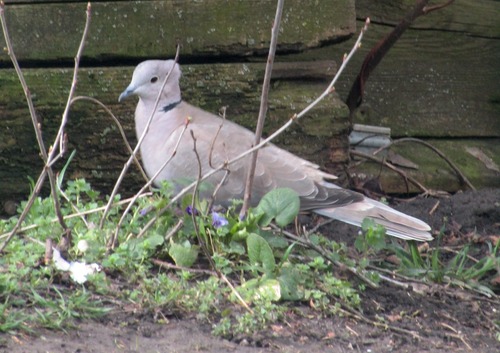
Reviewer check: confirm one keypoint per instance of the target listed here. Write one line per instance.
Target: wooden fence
(439, 83)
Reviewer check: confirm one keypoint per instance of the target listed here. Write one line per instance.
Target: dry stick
(264, 142)
(175, 229)
(73, 215)
(118, 124)
(202, 242)
(227, 171)
(212, 144)
(263, 107)
(136, 149)
(208, 272)
(60, 139)
(146, 186)
(350, 311)
(306, 242)
(429, 9)
(198, 231)
(36, 191)
(460, 175)
(457, 334)
(397, 170)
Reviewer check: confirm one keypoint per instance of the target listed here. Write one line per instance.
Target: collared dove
(218, 140)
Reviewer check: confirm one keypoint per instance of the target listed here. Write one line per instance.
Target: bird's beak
(127, 93)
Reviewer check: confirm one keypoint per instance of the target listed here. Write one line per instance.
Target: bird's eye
(154, 79)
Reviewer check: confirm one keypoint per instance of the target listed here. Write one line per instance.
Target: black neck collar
(170, 106)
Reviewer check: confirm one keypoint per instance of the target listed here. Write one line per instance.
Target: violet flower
(190, 210)
(218, 220)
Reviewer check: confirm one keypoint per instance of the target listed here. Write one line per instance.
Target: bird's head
(148, 79)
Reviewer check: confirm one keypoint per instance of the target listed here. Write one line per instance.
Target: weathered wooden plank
(100, 152)
(431, 83)
(145, 29)
(477, 18)
(434, 172)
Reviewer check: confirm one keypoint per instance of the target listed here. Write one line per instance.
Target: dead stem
(60, 140)
(144, 187)
(394, 168)
(139, 142)
(463, 179)
(263, 107)
(118, 125)
(305, 242)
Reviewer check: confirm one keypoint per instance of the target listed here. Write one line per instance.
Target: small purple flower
(218, 220)
(145, 211)
(190, 210)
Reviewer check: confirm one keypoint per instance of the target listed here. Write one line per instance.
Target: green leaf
(60, 177)
(260, 288)
(289, 281)
(184, 256)
(260, 253)
(282, 204)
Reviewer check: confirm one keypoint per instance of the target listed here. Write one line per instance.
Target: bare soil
(423, 318)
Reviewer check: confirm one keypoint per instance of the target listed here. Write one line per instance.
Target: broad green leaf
(260, 253)
(282, 204)
(269, 289)
(182, 255)
(260, 288)
(289, 282)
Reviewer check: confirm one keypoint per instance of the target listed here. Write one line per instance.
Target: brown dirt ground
(446, 319)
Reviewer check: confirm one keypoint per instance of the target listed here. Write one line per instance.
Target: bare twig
(241, 300)
(197, 229)
(457, 334)
(175, 229)
(377, 53)
(350, 311)
(112, 242)
(305, 242)
(429, 9)
(73, 215)
(60, 140)
(212, 144)
(461, 176)
(207, 272)
(139, 142)
(397, 170)
(120, 128)
(263, 107)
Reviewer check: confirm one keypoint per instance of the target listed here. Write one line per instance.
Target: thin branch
(263, 107)
(461, 176)
(305, 242)
(197, 230)
(429, 9)
(212, 144)
(139, 142)
(60, 134)
(73, 215)
(397, 170)
(60, 139)
(112, 242)
(31, 201)
(120, 128)
(207, 272)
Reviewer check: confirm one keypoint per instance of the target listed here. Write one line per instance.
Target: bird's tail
(396, 223)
